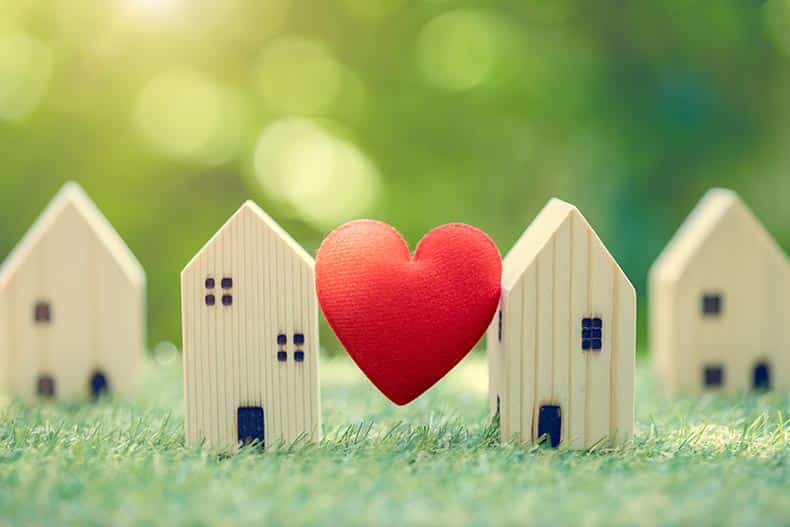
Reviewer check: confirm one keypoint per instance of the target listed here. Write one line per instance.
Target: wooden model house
(250, 329)
(72, 306)
(562, 348)
(720, 302)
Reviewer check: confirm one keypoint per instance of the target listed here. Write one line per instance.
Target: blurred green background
(172, 112)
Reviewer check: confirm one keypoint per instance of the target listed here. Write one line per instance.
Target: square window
(282, 340)
(282, 356)
(299, 339)
(711, 305)
(41, 313)
(299, 356)
(592, 334)
(227, 283)
(210, 283)
(713, 376)
(211, 300)
(227, 300)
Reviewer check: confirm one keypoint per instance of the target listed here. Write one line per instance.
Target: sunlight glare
(325, 179)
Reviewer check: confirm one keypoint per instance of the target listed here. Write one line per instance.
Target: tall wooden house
(561, 350)
(720, 302)
(72, 306)
(250, 330)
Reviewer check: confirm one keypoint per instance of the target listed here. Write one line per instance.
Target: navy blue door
(250, 425)
(46, 386)
(99, 385)
(762, 376)
(550, 425)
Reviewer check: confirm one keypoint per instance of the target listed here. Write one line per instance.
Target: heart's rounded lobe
(407, 320)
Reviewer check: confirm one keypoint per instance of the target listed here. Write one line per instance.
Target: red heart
(407, 321)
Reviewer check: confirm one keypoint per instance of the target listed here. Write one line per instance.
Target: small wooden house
(561, 349)
(250, 330)
(720, 302)
(72, 306)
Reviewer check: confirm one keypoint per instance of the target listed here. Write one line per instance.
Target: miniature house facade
(561, 349)
(250, 337)
(720, 302)
(72, 306)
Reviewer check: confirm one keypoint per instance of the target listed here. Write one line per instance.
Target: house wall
(95, 314)
(494, 362)
(4, 345)
(738, 263)
(542, 360)
(662, 328)
(230, 352)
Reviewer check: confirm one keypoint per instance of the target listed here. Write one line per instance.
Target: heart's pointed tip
(402, 402)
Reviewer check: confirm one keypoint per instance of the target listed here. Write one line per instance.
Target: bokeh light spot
(186, 116)
(25, 71)
(459, 50)
(372, 9)
(299, 76)
(165, 352)
(154, 7)
(325, 179)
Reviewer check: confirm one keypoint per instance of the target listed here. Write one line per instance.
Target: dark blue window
(227, 283)
(282, 356)
(210, 283)
(282, 340)
(299, 339)
(41, 313)
(592, 334)
(211, 300)
(299, 356)
(227, 300)
(711, 305)
(713, 376)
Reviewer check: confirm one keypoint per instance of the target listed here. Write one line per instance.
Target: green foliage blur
(171, 113)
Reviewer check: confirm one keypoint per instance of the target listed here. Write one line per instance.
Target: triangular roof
(716, 205)
(539, 233)
(73, 196)
(251, 209)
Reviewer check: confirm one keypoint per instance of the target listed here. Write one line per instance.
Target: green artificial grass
(708, 461)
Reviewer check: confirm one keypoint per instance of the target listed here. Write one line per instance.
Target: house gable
(72, 198)
(553, 218)
(720, 217)
(249, 212)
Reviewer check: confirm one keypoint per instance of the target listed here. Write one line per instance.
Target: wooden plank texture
(566, 275)
(75, 265)
(231, 351)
